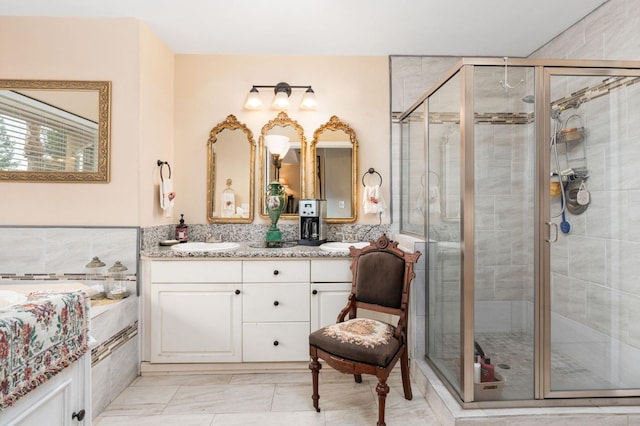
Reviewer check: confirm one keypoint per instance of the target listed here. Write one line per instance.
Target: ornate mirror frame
(282, 120)
(335, 124)
(102, 174)
(230, 123)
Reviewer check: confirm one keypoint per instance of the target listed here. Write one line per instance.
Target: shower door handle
(552, 225)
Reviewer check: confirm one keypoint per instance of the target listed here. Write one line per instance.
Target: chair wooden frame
(357, 368)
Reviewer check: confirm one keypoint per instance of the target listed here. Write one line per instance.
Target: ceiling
(335, 27)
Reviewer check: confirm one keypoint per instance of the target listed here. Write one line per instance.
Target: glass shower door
(444, 266)
(593, 295)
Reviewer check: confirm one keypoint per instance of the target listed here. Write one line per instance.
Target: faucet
(214, 238)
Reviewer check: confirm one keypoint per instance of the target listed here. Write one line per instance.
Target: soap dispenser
(182, 231)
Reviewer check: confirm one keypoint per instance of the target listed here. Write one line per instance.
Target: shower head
(529, 99)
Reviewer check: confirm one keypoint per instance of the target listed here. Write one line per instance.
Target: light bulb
(281, 101)
(253, 101)
(309, 100)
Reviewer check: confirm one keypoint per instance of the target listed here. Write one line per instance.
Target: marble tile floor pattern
(262, 399)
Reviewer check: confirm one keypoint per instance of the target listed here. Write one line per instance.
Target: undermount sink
(340, 247)
(201, 246)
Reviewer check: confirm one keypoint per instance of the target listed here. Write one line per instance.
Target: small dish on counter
(168, 242)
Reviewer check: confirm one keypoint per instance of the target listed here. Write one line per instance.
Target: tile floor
(261, 399)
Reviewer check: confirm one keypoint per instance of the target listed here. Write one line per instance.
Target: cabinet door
(53, 402)
(196, 323)
(327, 300)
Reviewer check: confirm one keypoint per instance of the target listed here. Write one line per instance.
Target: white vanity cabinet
(275, 318)
(238, 310)
(196, 311)
(330, 286)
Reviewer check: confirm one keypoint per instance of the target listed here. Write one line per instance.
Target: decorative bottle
(182, 231)
(275, 204)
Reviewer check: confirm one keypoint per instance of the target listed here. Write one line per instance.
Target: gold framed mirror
(292, 170)
(230, 186)
(55, 131)
(334, 153)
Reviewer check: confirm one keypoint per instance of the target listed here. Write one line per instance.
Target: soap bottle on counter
(182, 231)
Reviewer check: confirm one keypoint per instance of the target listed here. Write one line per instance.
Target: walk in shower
(529, 197)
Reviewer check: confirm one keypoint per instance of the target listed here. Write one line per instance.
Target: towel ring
(370, 172)
(161, 164)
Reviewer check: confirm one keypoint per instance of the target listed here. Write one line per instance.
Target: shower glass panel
(533, 225)
(594, 268)
(504, 188)
(413, 173)
(445, 261)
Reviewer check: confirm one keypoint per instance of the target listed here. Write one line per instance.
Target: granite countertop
(243, 251)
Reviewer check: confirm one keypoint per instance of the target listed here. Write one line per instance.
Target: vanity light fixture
(278, 147)
(282, 92)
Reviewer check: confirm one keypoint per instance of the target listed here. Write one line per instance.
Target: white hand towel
(166, 197)
(373, 201)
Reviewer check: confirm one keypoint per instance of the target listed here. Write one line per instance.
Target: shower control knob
(276, 303)
(276, 272)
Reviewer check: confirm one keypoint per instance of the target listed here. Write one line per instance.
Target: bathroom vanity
(239, 306)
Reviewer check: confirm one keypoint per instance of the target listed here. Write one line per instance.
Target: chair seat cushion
(359, 339)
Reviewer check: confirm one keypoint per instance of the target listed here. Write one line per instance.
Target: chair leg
(382, 390)
(358, 378)
(406, 380)
(315, 367)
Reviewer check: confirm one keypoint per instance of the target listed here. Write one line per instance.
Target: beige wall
(78, 49)
(208, 88)
(163, 107)
(156, 125)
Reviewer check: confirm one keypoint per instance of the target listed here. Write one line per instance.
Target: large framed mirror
(334, 152)
(231, 153)
(292, 171)
(55, 131)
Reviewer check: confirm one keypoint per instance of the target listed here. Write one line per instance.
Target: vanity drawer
(186, 271)
(275, 302)
(331, 271)
(273, 271)
(265, 342)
